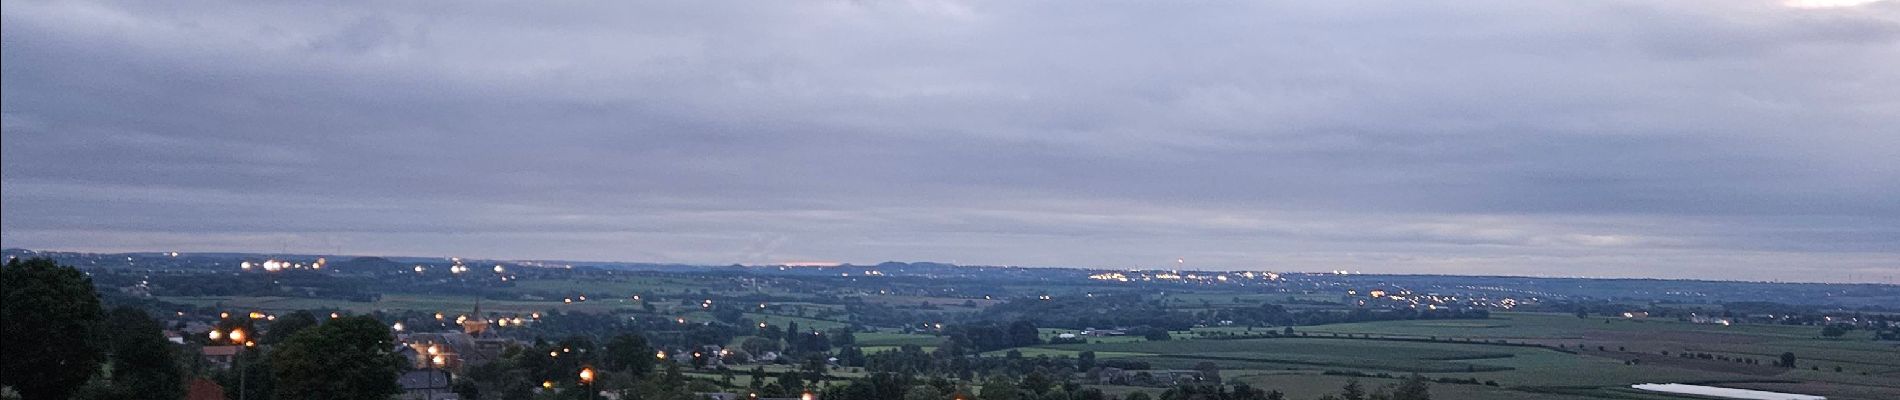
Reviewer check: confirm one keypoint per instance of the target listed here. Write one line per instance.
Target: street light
(587, 378)
(237, 335)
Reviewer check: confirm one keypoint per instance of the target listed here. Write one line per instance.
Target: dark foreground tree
(347, 358)
(287, 325)
(49, 329)
(630, 353)
(144, 364)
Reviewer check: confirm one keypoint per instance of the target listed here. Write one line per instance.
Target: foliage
(629, 352)
(143, 363)
(51, 329)
(287, 325)
(347, 358)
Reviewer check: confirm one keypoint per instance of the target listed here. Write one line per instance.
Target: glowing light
(237, 335)
(587, 375)
(397, 326)
(215, 335)
(245, 265)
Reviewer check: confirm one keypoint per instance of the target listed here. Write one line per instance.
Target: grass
(893, 339)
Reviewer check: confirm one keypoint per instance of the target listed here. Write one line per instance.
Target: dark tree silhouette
(49, 324)
(288, 325)
(144, 364)
(630, 353)
(348, 358)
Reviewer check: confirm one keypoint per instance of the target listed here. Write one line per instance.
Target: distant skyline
(1727, 140)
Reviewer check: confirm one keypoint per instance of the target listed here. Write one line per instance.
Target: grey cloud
(1737, 139)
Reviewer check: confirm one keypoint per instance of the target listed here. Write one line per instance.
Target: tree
(758, 346)
(1352, 390)
(51, 329)
(1787, 360)
(1413, 388)
(1024, 333)
(630, 353)
(143, 363)
(1137, 396)
(1833, 331)
(348, 358)
(1155, 334)
(790, 382)
(1209, 371)
(287, 325)
(998, 389)
(1085, 361)
(922, 392)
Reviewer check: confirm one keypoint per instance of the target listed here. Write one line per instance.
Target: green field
(1531, 363)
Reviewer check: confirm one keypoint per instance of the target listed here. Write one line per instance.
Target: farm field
(1532, 362)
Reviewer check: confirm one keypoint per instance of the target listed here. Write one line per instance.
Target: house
(426, 384)
(475, 345)
(220, 357)
(203, 389)
(456, 349)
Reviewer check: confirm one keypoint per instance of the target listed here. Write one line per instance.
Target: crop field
(1598, 359)
(894, 339)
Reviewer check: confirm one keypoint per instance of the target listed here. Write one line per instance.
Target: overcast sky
(1725, 139)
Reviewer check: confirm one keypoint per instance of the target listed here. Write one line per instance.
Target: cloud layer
(1705, 139)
